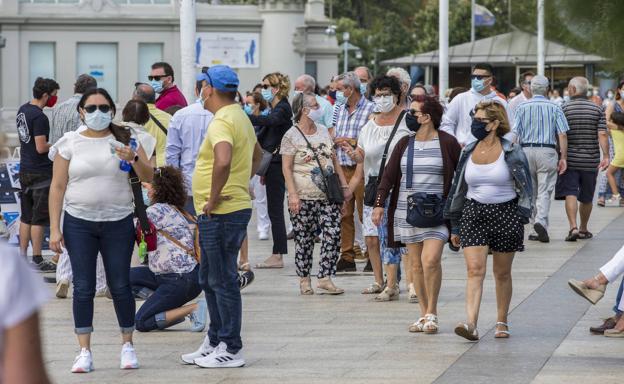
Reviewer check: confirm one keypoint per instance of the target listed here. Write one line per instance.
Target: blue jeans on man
(220, 238)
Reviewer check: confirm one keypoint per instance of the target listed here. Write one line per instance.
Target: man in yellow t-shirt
(146, 93)
(227, 159)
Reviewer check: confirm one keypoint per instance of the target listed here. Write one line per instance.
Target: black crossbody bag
(370, 191)
(333, 187)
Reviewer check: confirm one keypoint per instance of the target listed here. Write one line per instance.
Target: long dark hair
(121, 134)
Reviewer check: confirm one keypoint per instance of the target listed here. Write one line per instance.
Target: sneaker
(345, 266)
(264, 235)
(43, 266)
(613, 201)
(83, 363)
(128, 357)
(61, 289)
(245, 279)
(221, 358)
(199, 316)
(542, 233)
(204, 350)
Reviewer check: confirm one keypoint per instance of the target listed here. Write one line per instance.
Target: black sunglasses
(157, 78)
(105, 108)
(265, 86)
(479, 77)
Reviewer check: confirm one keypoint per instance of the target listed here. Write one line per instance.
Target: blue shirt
(186, 133)
(350, 124)
(538, 121)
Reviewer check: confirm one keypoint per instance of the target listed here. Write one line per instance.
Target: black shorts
(34, 198)
(574, 182)
(495, 225)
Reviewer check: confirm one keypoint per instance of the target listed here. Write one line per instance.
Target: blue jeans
(171, 290)
(619, 299)
(220, 238)
(115, 241)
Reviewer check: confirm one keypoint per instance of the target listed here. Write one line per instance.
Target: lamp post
(443, 46)
(377, 50)
(540, 37)
(345, 44)
(187, 47)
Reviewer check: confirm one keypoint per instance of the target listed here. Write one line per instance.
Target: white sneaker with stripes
(221, 358)
(204, 350)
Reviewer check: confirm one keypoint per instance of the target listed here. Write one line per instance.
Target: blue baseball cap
(223, 78)
(201, 77)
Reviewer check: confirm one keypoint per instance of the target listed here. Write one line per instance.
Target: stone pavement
(351, 339)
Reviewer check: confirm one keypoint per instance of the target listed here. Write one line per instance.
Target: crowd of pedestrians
(154, 203)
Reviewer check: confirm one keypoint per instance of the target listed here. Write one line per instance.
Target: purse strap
(410, 162)
(315, 157)
(159, 124)
(140, 210)
(385, 152)
(176, 242)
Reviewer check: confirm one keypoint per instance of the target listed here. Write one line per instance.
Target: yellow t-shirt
(161, 139)
(230, 124)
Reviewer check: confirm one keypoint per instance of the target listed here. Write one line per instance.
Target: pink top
(170, 97)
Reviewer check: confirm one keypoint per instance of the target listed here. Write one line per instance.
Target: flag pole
(443, 46)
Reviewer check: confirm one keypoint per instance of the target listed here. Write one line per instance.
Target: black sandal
(571, 235)
(584, 235)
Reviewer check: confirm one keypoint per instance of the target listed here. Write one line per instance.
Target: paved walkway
(351, 339)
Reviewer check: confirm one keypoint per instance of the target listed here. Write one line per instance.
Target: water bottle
(123, 164)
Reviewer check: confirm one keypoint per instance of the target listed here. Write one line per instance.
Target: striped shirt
(585, 120)
(350, 124)
(538, 121)
(65, 118)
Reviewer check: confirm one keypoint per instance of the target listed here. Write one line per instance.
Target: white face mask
(384, 104)
(98, 120)
(315, 114)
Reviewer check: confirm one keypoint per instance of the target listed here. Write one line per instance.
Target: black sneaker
(345, 266)
(43, 266)
(542, 234)
(368, 267)
(245, 278)
(533, 238)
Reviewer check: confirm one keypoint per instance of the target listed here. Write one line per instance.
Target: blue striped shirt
(349, 125)
(538, 121)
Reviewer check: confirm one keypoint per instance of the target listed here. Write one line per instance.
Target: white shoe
(128, 357)
(83, 363)
(221, 358)
(263, 235)
(204, 350)
(61, 289)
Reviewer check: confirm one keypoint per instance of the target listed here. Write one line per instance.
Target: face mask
(298, 92)
(247, 108)
(363, 88)
(595, 92)
(622, 94)
(315, 114)
(199, 100)
(610, 95)
(98, 120)
(477, 85)
(477, 128)
(332, 94)
(340, 98)
(265, 112)
(157, 85)
(412, 122)
(384, 104)
(51, 101)
(146, 199)
(566, 98)
(267, 94)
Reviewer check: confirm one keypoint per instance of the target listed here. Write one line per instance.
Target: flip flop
(584, 235)
(589, 294)
(269, 266)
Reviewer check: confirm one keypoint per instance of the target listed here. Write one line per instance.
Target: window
(149, 53)
(100, 61)
(41, 59)
(310, 68)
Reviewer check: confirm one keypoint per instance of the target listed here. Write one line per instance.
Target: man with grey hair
(586, 137)
(365, 76)
(352, 114)
(524, 82)
(307, 84)
(405, 80)
(538, 122)
(65, 116)
(158, 124)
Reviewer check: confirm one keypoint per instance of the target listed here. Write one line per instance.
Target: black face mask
(477, 128)
(332, 94)
(412, 122)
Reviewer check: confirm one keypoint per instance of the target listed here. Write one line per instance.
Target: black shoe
(533, 238)
(245, 278)
(368, 267)
(43, 266)
(520, 248)
(345, 266)
(542, 234)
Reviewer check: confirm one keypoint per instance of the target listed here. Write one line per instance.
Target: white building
(116, 41)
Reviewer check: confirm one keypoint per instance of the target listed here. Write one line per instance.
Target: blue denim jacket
(519, 167)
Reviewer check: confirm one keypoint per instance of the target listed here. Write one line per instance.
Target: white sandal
(418, 325)
(431, 324)
(502, 334)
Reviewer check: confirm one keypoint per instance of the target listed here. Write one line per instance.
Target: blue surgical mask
(340, 98)
(478, 84)
(98, 120)
(157, 85)
(146, 199)
(566, 98)
(265, 112)
(363, 88)
(267, 95)
(247, 108)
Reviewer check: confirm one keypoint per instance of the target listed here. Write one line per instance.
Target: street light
(345, 38)
(376, 51)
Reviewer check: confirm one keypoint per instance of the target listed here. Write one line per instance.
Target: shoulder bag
(370, 191)
(333, 186)
(424, 210)
(145, 231)
(159, 124)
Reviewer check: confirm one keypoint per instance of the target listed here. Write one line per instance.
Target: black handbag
(265, 162)
(333, 186)
(424, 210)
(370, 190)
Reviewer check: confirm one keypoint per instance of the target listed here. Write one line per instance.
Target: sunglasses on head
(157, 78)
(105, 108)
(479, 77)
(418, 98)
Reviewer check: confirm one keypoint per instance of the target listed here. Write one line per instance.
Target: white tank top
(490, 183)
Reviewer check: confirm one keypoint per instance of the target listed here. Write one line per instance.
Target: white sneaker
(613, 201)
(204, 350)
(83, 363)
(221, 358)
(128, 357)
(263, 235)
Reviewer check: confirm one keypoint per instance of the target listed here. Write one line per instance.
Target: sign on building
(237, 50)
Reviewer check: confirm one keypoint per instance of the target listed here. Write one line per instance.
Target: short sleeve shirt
(307, 175)
(585, 120)
(231, 125)
(32, 122)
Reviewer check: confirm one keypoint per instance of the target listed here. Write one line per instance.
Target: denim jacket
(519, 167)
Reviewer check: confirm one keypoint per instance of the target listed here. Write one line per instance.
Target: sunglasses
(105, 108)
(266, 86)
(479, 77)
(417, 98)
(157, 78)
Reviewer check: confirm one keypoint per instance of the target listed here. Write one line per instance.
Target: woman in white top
(375, 144)
(95, 194)
(488, 207)
(135, 115)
